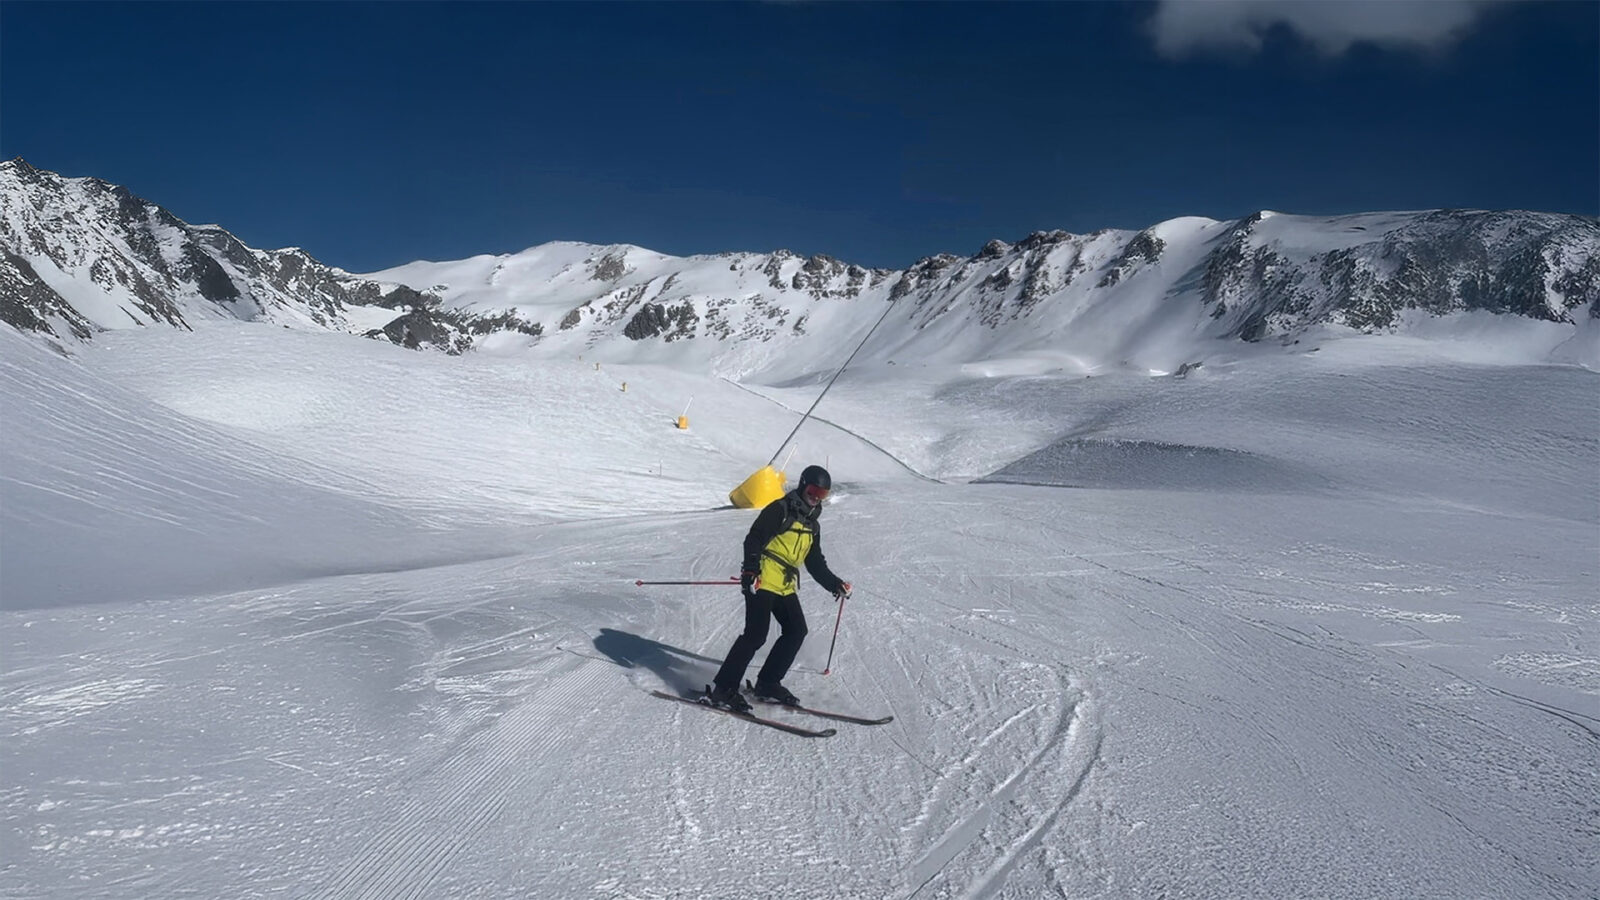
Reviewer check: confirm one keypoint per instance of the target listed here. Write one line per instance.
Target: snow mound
(1155, 465)
(110, 495)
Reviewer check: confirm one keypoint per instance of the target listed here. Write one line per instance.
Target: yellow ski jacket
(785, 536)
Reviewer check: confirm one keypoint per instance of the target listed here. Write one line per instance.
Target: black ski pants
(759, 611)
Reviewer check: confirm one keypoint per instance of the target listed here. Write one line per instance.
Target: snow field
(417, 665)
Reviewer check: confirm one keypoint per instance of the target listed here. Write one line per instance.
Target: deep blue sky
(372, 134)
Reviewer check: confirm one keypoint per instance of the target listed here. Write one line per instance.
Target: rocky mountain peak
(125, 262)
(86, 238)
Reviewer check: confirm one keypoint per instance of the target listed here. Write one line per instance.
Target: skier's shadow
(673, 665)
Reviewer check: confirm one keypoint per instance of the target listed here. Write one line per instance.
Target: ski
(819, 713)
(770, 723)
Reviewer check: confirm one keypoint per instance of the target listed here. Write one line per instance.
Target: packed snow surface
(288, 614)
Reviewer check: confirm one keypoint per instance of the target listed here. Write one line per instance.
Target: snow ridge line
(890, 456)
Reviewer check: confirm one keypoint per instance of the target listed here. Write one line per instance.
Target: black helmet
(816, 476)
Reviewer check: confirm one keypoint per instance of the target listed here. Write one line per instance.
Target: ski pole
(836, 621)
(732, 581)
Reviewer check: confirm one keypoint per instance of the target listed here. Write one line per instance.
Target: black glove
(748, 583)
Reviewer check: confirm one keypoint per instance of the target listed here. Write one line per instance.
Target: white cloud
(1182, 27)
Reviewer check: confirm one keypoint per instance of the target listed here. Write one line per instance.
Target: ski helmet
(816, 476)
(814, 485)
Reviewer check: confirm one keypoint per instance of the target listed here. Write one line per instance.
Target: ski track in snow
(449, 808)
(1380, 685)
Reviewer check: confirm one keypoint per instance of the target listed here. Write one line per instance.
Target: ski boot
(775, 693)
(727, 698)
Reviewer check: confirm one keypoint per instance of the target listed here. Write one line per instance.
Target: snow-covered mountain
(1156, 298)
(81, 255)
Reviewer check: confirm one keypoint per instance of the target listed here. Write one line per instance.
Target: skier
(783, 537)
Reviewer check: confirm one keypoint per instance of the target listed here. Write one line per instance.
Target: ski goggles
(815, 494)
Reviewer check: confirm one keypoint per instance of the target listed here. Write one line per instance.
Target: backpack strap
(790, 573)
(791, 518)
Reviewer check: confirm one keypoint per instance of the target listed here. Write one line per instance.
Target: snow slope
(351, 621)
